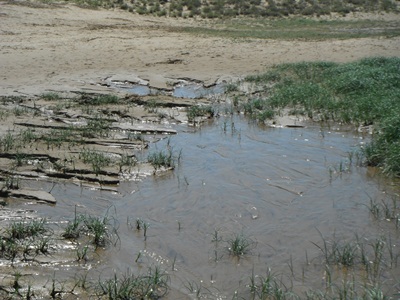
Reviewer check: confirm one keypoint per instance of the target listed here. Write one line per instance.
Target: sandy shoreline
(64, 48)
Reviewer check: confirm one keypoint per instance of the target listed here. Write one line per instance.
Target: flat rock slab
(32, 194)
(127, 78)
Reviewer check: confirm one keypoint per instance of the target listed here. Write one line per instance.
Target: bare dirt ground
(64, 47)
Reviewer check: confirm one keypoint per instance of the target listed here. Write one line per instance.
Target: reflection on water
(140, 90)
(195, 90)
(280, 187)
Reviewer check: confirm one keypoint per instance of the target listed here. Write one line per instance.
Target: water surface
(281, 187)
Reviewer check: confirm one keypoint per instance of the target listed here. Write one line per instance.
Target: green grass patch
(86, 99)
(364, 92)
(295, 28)
(384, 150)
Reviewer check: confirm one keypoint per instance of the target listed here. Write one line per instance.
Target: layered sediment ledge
(29, 194)
(94, 139)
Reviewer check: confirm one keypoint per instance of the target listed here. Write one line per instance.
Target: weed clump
(198, 111)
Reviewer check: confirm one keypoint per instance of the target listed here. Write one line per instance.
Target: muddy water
(271, 184)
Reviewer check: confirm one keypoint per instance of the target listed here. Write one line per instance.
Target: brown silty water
(280, 187)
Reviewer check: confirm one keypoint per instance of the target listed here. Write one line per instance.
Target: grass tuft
(21, 230)
(239, 245)
(50, 96)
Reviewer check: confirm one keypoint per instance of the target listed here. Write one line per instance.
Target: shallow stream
(280, 187)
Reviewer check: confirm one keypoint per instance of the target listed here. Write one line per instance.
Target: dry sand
(58, 48)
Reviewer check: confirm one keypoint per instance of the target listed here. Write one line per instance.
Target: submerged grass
(164, 158)
(364, 92)
(153, 285)
(98, 228)
(239, 245)
(269, 287)
(21, 230)
(371, 257)
(24, 240)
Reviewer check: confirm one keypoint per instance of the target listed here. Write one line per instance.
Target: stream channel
(280, 187)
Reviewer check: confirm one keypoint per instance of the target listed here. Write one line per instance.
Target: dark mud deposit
(281, 187)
